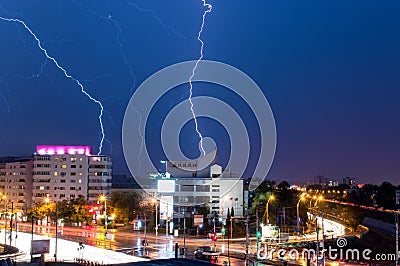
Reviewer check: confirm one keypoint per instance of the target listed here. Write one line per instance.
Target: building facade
(99, 177)
(190, 186)
(54, 172)
(16, 183)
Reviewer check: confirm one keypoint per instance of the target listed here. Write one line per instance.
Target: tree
(126, 206)
(265, 186)
(38, 212)
(284, 185)
(352, 216)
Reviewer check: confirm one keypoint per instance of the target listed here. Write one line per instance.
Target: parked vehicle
(205, 252)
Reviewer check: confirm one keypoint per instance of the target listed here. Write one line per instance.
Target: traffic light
(223, 230)
(258, 234)
(214, 237)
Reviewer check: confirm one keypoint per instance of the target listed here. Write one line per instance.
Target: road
(131, 242)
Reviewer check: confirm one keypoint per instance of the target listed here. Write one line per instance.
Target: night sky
(329, 69)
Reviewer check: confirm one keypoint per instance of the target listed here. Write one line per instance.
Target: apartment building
(15, 183)
(55, 172)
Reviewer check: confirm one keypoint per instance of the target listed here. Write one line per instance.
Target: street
(130, 243)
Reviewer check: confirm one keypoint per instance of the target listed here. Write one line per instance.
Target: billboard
(166, 186)
(50, 150)
(269, 231)
(40, 246)
(198, 219)
(166, 207)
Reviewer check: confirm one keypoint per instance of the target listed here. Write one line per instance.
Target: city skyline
(328, 70)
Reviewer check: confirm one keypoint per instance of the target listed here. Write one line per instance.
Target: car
(205, 252)
(210, 234)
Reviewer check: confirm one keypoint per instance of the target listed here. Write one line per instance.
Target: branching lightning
(121, 46)
(4, 98)
(39, 44)
(172, 29)
(208, 10)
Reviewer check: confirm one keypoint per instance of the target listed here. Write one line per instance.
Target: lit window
(73, 159)
(80, 181)
(41, 188)
(55, 173)
(64, 166)
(80, 173)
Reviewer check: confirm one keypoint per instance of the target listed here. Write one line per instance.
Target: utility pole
(215, 242)
(11, 221)
(397, 236)
(33, 221)
(157, 219)
(184, 235)
(55, 253)
(145, 232)
(166, 224)
(317, 248)
(257, 231)
(228, 218)
(5, 228)
(323, 238)
(106, 217)
(247, 235)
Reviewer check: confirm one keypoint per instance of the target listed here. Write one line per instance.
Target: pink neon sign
(49, 150)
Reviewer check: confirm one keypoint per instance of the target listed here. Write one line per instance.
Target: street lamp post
(155, 202)
(11, 221)
(310, 209)
(184, 235)
(5, 227)
(266, 208)
(104, 198)
(55, 252)
(298, 216)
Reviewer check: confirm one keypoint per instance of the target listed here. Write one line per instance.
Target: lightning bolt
(3, 97)
(39, 44)
(208, 10)
(121, 46)
(172, 29)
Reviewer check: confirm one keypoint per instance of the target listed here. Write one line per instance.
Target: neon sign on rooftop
(50, 150)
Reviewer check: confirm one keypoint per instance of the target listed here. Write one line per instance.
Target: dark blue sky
(330, 71)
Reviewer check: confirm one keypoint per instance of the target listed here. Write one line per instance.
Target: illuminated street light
(302, 197)
(320, 198)
(104, 198)
(266, 207)
(46, 200)
(155, 202)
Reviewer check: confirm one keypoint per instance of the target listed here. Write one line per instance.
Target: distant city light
(50, 150)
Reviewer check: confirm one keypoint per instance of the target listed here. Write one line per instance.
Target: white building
(191, 184)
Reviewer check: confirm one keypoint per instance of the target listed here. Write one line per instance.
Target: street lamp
(312, 198)
(47, 201)
(155, 202)
(298, 216)
(104, 198)
(3, 198)
(320, 198)
(272, 197)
